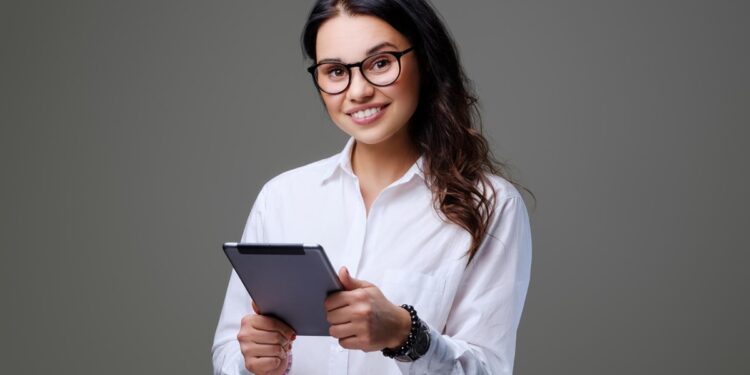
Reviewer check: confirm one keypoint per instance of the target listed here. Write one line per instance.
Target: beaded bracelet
(406, 346)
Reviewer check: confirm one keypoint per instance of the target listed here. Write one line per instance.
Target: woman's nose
(359, 87)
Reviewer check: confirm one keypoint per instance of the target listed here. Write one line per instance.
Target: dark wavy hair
(446, 126)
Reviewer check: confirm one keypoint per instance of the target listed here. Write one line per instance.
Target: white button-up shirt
(406, 249)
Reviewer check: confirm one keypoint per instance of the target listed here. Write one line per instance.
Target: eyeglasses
(380, 69)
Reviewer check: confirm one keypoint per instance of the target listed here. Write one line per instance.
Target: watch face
(419, 345)
(422, 341)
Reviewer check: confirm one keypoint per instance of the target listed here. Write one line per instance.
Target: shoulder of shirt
(303, 176)
(504, 189)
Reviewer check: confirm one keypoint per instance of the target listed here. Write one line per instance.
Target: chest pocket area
(425, 292)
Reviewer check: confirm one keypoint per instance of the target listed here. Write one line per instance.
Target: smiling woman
(434, 231)
(375, 115)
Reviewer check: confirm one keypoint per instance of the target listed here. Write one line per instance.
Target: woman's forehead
(351, 38)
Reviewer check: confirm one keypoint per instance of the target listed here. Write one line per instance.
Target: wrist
(403, 328)
(417, 342)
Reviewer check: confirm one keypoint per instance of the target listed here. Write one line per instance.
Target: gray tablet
(287, 281)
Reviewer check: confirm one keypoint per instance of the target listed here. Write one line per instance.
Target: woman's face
(351, 39)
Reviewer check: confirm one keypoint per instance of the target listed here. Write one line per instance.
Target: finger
(255, 308)
(262, 365)
(338, 300)
(347, 281)
(350, 283)
(339, 316)
(351, 342)
(270, 337)
(340, 331)
(266, 350)
(267, 323)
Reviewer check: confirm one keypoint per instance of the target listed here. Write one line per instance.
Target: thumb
(255, 308)
(350, 283)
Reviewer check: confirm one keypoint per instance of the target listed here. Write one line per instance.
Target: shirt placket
(354, 245)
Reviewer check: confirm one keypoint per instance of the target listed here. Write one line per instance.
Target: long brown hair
(446, 127)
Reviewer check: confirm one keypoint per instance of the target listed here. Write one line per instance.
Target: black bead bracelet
(406, 346)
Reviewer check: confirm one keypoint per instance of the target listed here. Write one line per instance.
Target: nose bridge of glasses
(359, 83)
(360, 69)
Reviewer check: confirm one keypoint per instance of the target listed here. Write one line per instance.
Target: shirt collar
(343, 163)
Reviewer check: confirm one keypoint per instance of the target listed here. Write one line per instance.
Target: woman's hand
(265, 343)
(362, 318)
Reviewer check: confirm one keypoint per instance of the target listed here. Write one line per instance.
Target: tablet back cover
(289, 282)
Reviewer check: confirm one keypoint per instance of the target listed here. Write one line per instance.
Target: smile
(367, 113)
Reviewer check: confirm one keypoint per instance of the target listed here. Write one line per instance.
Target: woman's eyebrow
(380, 46)
(369, 52)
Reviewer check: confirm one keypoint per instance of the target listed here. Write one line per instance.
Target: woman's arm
(227, 357)
(480, 333)
(227, 349)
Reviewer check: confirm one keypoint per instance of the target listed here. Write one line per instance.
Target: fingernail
(294, 336)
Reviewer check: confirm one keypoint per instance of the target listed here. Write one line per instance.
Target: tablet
(287, 281)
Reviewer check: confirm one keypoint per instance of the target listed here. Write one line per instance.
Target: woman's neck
(379, 165)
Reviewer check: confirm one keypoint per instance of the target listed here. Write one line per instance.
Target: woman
(413, 206)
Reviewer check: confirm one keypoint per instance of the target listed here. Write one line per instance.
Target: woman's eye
(380, 64)
(335, 72)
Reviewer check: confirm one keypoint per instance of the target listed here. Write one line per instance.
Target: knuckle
(357, 315)
(280, 338)
(247, 349)
(360, 294)
(363, 312)
(367, 310)
(245, 320)
(243, 335)
(345, 344)
(249, 365)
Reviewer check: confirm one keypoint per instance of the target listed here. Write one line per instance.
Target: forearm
(227, 357)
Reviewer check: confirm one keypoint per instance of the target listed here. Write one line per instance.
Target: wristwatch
(416, 344)
(420, 344)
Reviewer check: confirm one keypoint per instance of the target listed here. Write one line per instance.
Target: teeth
(366, 113)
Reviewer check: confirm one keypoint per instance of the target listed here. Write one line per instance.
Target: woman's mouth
(368, 115)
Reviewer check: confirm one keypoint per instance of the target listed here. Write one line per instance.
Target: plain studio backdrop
(136, 134)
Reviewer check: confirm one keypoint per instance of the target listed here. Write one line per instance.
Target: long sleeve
(406, 248)
(480, 333)
(227, 358)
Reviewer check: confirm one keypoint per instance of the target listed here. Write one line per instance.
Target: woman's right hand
(265, 343)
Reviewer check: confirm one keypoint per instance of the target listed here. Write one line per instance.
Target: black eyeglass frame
(397, 54)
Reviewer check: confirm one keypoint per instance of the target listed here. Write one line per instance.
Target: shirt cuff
(433, 360)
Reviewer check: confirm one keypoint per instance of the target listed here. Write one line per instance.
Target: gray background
(136, 134)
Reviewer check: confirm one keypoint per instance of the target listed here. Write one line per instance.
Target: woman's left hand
(362, 318)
